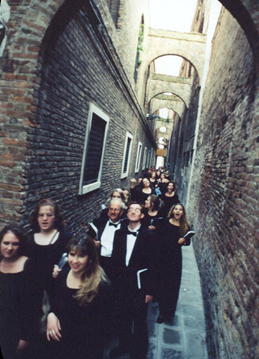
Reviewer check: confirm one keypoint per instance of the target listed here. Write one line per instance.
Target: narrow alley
(94, 93)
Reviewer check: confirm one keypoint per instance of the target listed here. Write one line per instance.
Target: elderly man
(102, 231)
(134, 268)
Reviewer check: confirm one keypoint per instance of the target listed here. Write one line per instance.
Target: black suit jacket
(99, 224)
(143, 256)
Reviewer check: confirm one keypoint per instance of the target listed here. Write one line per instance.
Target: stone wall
(224, 196)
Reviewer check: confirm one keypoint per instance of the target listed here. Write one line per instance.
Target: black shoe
(160, 319)
(118, 352)
(169, 320)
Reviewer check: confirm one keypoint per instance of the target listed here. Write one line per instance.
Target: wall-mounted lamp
(151, 117)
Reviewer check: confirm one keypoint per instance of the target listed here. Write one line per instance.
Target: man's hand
(97, 243)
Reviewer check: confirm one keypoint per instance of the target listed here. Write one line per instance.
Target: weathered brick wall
(185, 142)
(224, 197)
(130, 16)
(44, 112)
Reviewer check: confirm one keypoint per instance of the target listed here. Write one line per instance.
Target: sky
(175, 15)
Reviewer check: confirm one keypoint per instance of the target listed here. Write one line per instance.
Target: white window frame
(125, 174)
(148, 159)
(144, 159)
(151, 158)
(138, 157)
(93, 109)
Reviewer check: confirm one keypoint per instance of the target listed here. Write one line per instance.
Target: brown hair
(59, 220)
(93, 274)
(184, 225)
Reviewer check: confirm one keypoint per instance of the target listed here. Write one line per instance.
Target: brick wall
(47, 88)
(223, 203)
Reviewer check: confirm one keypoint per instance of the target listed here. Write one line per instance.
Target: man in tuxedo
(133, 261)
(102, 230)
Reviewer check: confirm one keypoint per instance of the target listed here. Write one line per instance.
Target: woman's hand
(53, 328)
(148, 298)
(56, 271)
(182, 241)
(22, 344)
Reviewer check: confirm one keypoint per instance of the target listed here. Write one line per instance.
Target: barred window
(95, 139)
(144, 159)
(139, 151)
(126, 155)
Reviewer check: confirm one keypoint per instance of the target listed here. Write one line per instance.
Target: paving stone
(168, 353)
(171, 336)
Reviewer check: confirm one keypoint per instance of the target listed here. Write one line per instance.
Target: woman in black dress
(169, 198)
(143, 193)
(48, 239)
(78, 307)
(163, 183)
(153, 180)
(20, 301)
(152, 205)
(171, 234)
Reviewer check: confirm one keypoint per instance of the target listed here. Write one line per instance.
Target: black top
(20, 308)
(148, 220)
(47, 256)
(81, 326)
(141, 197)
(168, 203)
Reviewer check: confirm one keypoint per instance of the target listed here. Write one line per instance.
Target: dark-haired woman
(169, 197)
(143, 193)
(153, 205)
(48, 239)
(171, 234)
(76, 319)
(153, 180)
(20, 301)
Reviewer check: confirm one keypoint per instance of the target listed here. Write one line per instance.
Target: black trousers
(131, 315)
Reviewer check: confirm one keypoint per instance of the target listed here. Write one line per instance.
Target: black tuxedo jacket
(99, 224)
(143, 256)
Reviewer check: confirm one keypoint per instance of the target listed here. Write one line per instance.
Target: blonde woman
(76, 319)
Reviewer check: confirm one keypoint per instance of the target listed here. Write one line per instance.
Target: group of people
(60, 292)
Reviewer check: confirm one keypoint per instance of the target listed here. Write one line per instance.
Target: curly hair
(184, 225)
(93, 274)
(59, 220)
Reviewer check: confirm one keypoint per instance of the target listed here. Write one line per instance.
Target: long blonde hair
(93, 274)
(184, 225)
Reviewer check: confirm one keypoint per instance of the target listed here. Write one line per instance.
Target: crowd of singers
(61, 293)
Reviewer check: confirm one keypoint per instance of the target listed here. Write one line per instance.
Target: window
(138, 157)
(148, 159)
(151, 162)
(144, 159)
(126, 155)
(95, 139)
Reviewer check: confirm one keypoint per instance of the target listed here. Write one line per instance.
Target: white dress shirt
(131, 239)
(107, 239)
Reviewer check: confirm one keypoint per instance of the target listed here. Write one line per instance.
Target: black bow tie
(113, 224)
(133, 233)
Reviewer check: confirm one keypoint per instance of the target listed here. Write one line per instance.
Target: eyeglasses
(134, 210)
